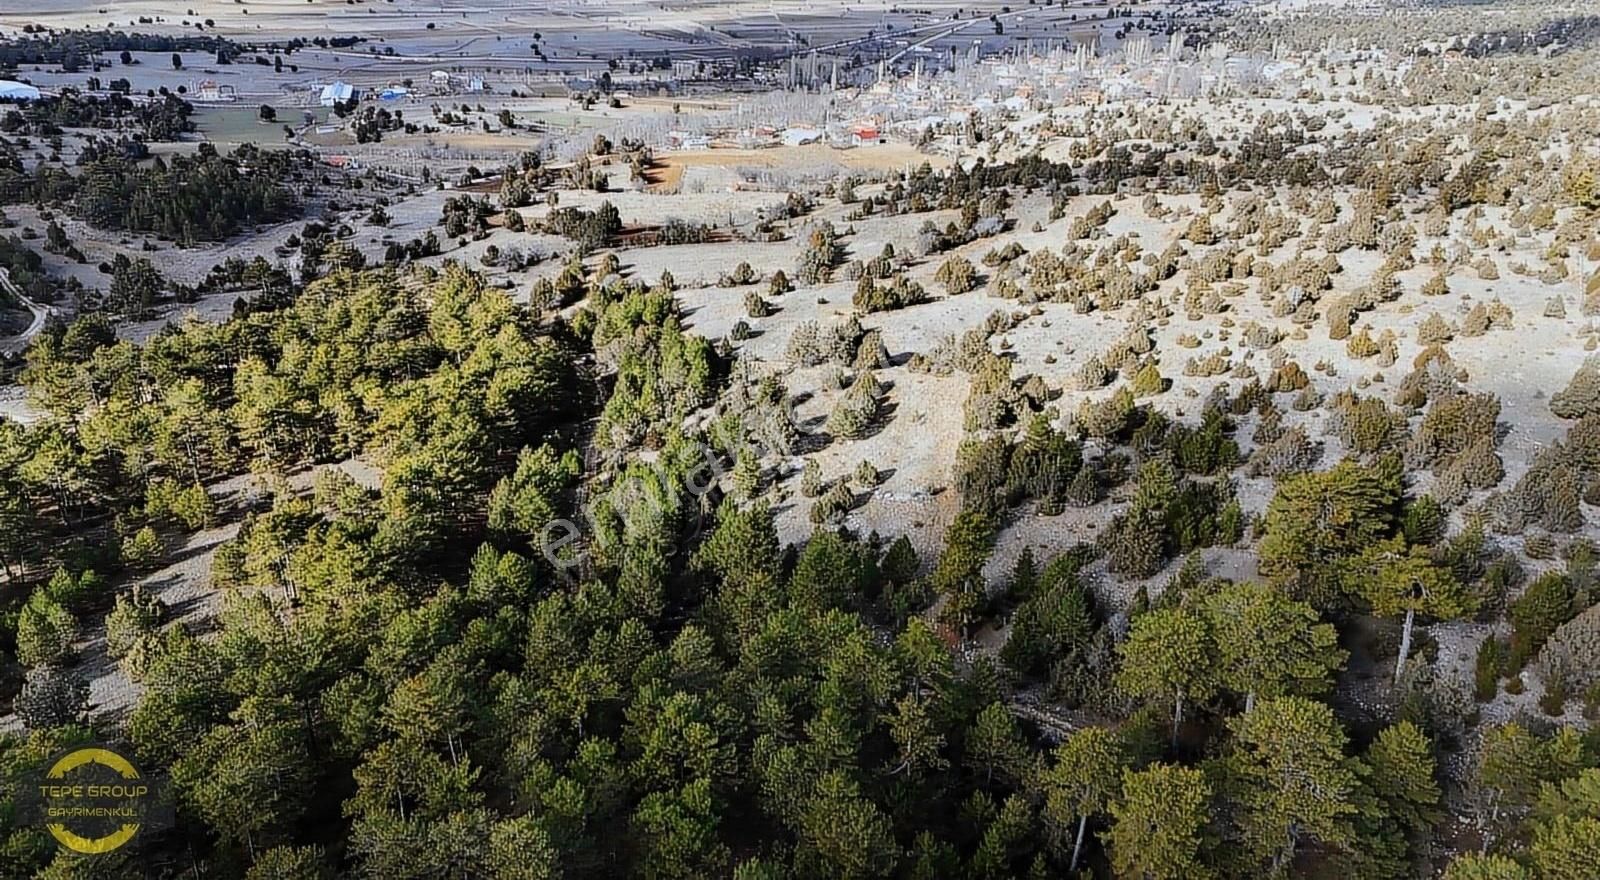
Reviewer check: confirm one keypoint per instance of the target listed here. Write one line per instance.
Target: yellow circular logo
(93, 800)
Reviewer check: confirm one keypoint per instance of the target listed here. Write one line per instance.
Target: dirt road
(12, 344)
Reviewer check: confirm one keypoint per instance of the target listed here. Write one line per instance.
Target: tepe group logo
(93, 800)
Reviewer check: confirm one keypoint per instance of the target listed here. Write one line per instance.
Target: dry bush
(1292, 452)
(1361, 345)
(1452, 424)
(1214, 364)
(1434, 329)
(1365, 425)
(1581, 397)
(1289, 377)
(1093, 374)
(1572, 653)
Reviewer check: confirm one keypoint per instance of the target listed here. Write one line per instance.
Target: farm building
(11, 90)
(336, 93)
(209, 90)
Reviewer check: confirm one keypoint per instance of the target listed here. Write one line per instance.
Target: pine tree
(1401, 773)
(1169, 654)
(993, 744)
(1085, 773)
(1512, 763)
(1024, 576)
(1159, 824)
(1476, 866)
(747, 475)
(1395, 581)
(1294, 781)
(843, 834)
(1317, 519)
(916, 737)
(900, 563)
(291, 863)
(52, 697)
(1269, 645)
(958, 574)
(45, 632)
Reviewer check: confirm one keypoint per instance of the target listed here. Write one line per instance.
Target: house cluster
(1060, 75)
(212, 92)
(443, 82)
(843, 136)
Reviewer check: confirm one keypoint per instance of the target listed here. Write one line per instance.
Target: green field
(239, 123)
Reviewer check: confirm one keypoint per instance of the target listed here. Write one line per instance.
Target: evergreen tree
(1269, 645)
(1293, 779)
(1159, 823)
(1397, 581)
(1169, 654)
(1085, 773)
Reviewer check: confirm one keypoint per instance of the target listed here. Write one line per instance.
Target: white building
(336, 93)
(11, 90)
(795, 137)
(210, 90)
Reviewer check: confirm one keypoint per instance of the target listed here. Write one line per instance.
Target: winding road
(11, 344)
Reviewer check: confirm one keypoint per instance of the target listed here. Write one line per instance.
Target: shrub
(1148, 381)
(1291, 453)
(821, 254)
(1107, 418)
(1545, 605)
(1488, 668)
(1434, 329)
(45, 631)
(1582, 394)
(1572, 652)
(1365, 425)
(1134, 543)
(1289, 377)
(831, 508)
(980, 474)
(1361, 345)
(1453, 424)
(142, 549)
(811, 479)
(1093, 374)
(867, 474)
(132, 617)
(957, 275)
(858, 409)
(898, 294)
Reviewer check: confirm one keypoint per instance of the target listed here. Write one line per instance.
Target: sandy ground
(182, 583)
(917, 445)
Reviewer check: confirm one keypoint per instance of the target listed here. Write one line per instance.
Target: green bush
(142, 549)
(45, 631)
(1488, 668)
(1544, 606)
